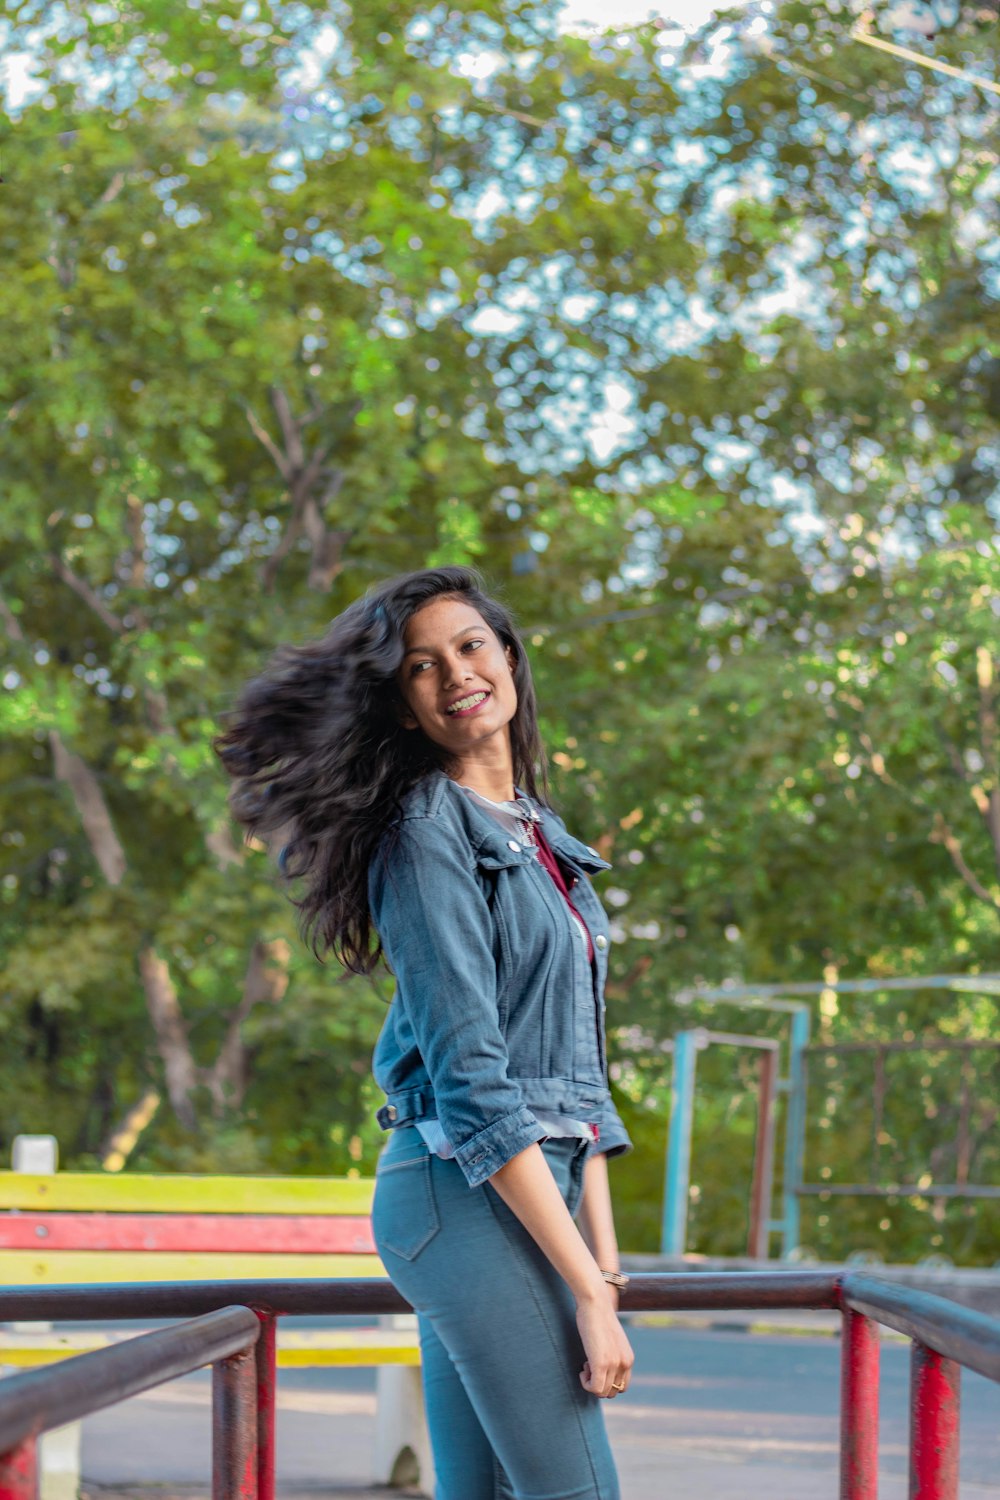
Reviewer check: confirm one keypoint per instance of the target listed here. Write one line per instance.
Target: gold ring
(616, 1387)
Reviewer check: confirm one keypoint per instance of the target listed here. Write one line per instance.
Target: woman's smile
(470, 704)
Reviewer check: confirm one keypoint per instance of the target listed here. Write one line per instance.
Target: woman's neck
(491, 777)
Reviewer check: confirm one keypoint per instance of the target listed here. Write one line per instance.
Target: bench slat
(39, 1268)
(351, 1347)
(126, 1192)
(250, 1233)
(288, 1359)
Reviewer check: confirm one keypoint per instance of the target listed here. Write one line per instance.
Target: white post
(58, 1451)
(39, 1155)
(402, 1443)
(59, 1463)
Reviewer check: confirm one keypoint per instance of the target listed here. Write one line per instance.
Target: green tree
(692, 344)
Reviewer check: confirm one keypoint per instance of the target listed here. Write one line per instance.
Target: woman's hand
(607, 1369)
(527, 1186)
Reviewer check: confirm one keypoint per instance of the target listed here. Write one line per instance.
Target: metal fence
(233, 1330)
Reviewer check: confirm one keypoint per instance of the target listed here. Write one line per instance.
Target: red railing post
(934, 1413)
(859, 1352)
(19, 1472)
(267, 1378)
(234, 1428)
(762, 1182)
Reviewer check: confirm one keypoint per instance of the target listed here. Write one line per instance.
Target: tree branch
(266, 441)
(171, 1035)
(303, 471)
(11, 623)
(92, 809)
(83, 590)
(219, 841)
(618, 989)
(154, 699)
(265, 983)
(640, 612)
(943, 834)
(989, 738)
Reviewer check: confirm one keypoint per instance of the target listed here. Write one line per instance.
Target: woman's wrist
(593, 1289)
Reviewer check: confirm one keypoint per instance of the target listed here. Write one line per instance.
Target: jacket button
(601, 940)
(513, 844)
(391, 1112)
(593, 852)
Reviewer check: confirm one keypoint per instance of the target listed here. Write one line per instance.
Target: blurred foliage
(693, 345)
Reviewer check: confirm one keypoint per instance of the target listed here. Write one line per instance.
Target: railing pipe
(234, 1427)
(795, 1128)
(762, 1182)
(970, 1338)
(677, 1186)
(236, 1331)
(351, 1296)
(859, 1358)
(267, 1382)
(191, 1299)
(698, 1290)
(19, 1472)
(934, 1413)
(39, 1400)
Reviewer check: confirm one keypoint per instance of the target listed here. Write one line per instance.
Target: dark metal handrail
(189, 1299)
(228, 1315)
(970, 1338)
(42, 1399)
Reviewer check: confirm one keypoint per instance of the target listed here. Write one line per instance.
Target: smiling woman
(457, 683)
(398, 761)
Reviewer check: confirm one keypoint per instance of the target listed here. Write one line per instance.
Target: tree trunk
(93, 810)
(171, 1035)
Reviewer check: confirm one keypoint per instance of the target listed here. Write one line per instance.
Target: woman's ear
(404, 715)
(511, 659)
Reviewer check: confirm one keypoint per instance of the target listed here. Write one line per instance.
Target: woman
(396, 760)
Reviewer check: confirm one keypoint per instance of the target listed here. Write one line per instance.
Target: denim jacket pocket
(573, 852)
(404, 1209)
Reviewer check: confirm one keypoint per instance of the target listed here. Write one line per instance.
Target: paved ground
(718, 1413)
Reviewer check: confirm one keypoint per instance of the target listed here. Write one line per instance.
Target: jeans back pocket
(404, 1209)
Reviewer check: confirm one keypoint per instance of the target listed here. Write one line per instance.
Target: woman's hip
(429, 1225)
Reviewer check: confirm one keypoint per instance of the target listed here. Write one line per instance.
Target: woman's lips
(463, 713)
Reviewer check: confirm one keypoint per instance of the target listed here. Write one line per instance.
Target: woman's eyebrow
(427, 650)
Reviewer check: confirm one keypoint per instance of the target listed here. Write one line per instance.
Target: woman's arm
(596, 1217)
(527, 1186)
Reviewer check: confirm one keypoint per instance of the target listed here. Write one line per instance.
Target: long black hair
(320, 761)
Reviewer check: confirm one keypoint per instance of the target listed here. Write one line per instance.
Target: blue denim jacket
(496, 1007)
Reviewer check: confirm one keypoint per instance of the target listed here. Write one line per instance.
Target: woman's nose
(457, 670)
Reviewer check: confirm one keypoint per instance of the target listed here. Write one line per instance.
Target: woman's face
(456, 677)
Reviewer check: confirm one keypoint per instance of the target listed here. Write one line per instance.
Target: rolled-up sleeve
(436, 930)
(614, 1138)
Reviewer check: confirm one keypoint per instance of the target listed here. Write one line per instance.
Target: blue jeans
(501, 1354)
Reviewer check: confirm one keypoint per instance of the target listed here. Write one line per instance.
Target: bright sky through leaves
(584, 14)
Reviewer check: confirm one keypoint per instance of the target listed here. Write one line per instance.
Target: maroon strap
(550, 862)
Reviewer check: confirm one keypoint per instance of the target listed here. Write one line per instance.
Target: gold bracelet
(616, 1278)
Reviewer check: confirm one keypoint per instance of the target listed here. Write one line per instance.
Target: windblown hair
(321, 763)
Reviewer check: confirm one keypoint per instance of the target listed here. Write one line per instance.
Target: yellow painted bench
(64, 1228)
(86, 1227)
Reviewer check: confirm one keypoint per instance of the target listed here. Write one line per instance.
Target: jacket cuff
(493, 1147)
(615, 1139)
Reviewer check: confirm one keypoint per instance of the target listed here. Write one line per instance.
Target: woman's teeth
(463, 703)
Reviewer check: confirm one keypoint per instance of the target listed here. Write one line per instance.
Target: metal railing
(233, 1329)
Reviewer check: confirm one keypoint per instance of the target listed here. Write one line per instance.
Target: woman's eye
(473, 645)
(418, 667)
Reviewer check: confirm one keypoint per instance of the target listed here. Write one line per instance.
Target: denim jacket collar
(491, 846)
